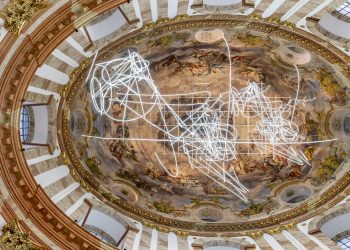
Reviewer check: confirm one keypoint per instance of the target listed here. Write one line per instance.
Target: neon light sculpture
(207, 134)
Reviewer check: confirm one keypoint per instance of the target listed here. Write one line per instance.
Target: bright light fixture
(207, 134)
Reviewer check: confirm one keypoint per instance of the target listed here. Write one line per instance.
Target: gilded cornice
(273, 20)
(255, 228)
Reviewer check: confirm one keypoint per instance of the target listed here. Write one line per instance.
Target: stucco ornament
(18, 12)
(13, 238)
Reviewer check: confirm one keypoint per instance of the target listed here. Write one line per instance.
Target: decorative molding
(256, 228)
(163, 229)
(274, 20)
(275, 230)
(13, 238)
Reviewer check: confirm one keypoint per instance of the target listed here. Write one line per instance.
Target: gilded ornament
(18, 12)
(65, 158)
(181, 233)
(13, 238)
(256, 234)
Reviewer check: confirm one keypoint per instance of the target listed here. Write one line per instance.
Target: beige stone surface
(146, 237)
(80, 213)
(44, 166)
(327, 241)
(56, 187)
(162, 241)
(182, 243)
(34, 152)
(45, 84)
(58, 64)
(129, 240)
(36, 97)
(263, 244)
(69, 200)
(280, 238)
(304, 240)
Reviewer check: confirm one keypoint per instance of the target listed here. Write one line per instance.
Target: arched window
(344, 9)
(24, 124)
(344, 242)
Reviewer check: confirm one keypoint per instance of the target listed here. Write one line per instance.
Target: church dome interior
(175, 124)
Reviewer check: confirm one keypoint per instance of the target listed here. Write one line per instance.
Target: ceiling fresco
(193, 60)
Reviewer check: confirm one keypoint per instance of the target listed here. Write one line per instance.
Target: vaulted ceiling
(52, 175)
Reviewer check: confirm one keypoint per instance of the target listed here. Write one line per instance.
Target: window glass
(344, 242)
(24, 124)
(344, 9)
